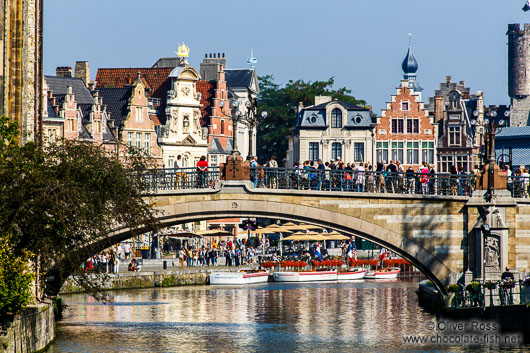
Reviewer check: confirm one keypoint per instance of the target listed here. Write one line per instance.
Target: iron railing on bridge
(490, 293)
(324, 180)
(363, 181)
(181, 178)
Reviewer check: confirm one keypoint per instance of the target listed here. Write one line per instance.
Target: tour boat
(352, 273)
(243, 277)
(384, 273)
(304, 276)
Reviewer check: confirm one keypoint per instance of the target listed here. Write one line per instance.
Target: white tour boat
(305, 276)
(243, 277)
(352, 273)
(384, 273)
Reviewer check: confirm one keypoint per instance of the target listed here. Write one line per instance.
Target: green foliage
(15, 280)
(61, 201)
(453, 288)
(281, 104)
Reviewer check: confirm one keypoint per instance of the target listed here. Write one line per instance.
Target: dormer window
(336, 118)
(454, 98)
(405, 106)
(312, 119)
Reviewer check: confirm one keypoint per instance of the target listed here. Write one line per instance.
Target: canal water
(361, 316)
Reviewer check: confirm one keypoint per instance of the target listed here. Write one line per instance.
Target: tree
(59, 201)
(281, 103)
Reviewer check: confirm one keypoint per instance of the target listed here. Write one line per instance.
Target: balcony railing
(181, 178)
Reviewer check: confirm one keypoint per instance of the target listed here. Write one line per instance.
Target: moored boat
(352, 273)
(235, 278)
(384, 273)
(304, 276)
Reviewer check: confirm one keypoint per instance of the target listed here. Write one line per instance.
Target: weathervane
(252, 60)
(183, 51)
(410, 39)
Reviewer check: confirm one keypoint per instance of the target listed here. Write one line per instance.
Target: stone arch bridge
(445, 237)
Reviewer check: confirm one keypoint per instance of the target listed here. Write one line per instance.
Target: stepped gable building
(453, 110)
(240, 84)
(128, 109)
(519, 73)
(405, 132)
(331, 129)
(82, 113)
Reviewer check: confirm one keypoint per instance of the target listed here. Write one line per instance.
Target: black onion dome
(409, 65)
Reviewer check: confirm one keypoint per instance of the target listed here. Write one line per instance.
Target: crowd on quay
(105, 262)
(236, 252)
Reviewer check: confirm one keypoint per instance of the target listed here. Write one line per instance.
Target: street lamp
(236, 117)
(491, 127)
(251, 119)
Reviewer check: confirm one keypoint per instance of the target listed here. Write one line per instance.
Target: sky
(361, 43)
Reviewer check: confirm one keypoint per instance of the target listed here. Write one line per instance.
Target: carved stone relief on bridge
(492, 253)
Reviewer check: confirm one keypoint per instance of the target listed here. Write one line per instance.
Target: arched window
(336, 118)
(222, 127)
(454, 98)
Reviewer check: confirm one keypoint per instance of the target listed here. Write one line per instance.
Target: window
(358, 151)
(427, 152)
(413, 152)
(382, 151)
(336, 150)
(397, 126)
(404, 106)
(213, 159)
(129, 139)
(222, 127)
(147, 143)
(70, 124)
(454, 135)
(336, 118)
(52, 134)
(397, 151)
(170, 161)
(445, 163)
(413, 126)
(139, 112)
(462, 161)
(138, 140)
(313, 151)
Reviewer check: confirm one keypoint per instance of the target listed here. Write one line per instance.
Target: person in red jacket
(202, 168)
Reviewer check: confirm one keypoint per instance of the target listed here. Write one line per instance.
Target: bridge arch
(191, 211)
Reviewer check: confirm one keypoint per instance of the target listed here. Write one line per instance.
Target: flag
(389, 254)
(526, 6)
(382, 254)
(317, 252)
(354, 250)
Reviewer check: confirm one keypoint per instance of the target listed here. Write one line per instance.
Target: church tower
(21, 61)
(410, 67)
(519, 73)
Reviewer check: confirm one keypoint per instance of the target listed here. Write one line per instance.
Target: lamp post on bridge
(251, 119)
(235, 116)
(489, 127)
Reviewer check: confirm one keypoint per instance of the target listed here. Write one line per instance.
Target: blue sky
(360, 43)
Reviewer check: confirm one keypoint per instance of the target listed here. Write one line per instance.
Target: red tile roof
(155, 119)
(206, 89)
(157, 79)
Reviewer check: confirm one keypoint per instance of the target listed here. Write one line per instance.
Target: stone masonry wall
(31, 331)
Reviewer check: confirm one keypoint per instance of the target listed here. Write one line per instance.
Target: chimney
(322, 99)
(82, 71)
(447, 80)
(63, 71)
(300, 106)
(438, 108)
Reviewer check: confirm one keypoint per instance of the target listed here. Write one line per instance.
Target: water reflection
(276, 317)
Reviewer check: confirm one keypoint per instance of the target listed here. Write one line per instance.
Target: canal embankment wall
(31, 331)
(186, 276)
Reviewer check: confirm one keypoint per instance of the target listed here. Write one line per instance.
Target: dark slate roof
(116, 100)
(51, 111)
(59, 87)
(215, 147)
(239, 77)
(85, 111)
(315, 116)
(229, 147)
(409, 64)
(514, 132)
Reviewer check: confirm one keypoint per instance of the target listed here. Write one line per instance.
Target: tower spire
(410, 66)
(252, 60)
